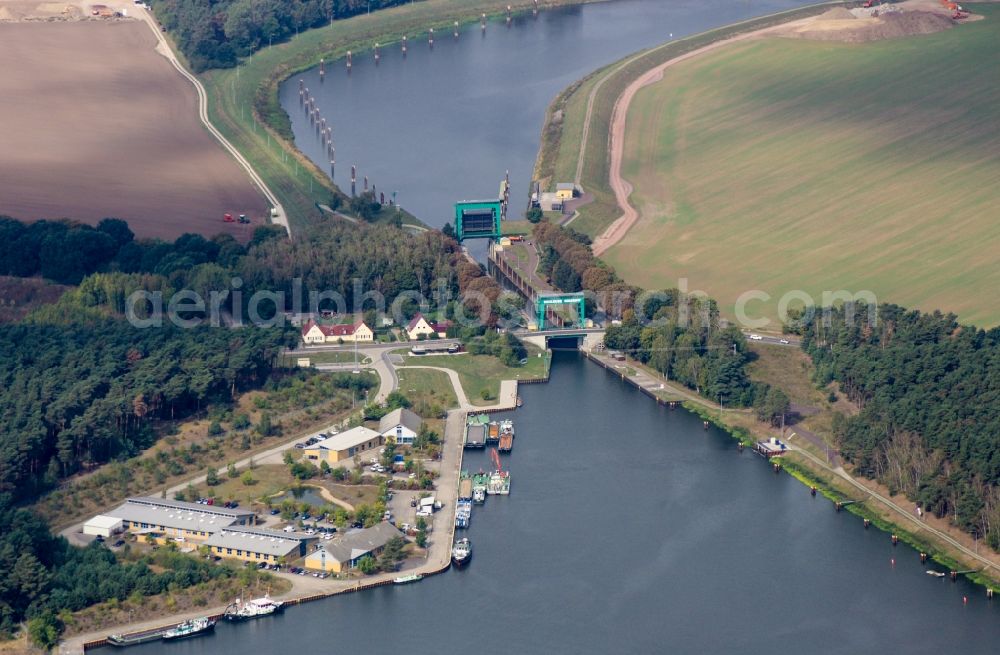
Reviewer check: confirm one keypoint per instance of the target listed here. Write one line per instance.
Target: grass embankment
(479, 373)
(564, 124)
(788, 164)
(791, 370)
(243, 102)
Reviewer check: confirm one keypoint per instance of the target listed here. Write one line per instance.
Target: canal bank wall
(822, 481)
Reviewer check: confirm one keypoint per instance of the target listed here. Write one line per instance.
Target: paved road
(163, 47)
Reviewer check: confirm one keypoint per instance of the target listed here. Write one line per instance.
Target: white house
(401, 425)
(314, 333)
(419, 325)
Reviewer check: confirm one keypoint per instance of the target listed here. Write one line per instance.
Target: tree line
(215, 34)
(679, 336)
(928, 389)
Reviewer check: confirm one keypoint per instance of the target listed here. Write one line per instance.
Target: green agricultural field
(787, 164)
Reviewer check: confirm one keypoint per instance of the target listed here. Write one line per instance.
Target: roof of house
(258, 540)
(402, 416)
(440, 326)
(345, 440)
(416, 319)
(357, 544)
(343, 330)
(565, 186)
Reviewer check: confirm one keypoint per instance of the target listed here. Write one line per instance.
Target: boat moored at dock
(506, 440)
(461, 552)
(192, 628)
(253, 609)
(407, 579)
(476, 430)
(480, 482)
(463, 513)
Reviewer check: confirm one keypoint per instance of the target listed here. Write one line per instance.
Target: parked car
(275, 512)
(784, 341)
(756, 337)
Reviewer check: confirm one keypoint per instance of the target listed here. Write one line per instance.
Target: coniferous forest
(928, 389)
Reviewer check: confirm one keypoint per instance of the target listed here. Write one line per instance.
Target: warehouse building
(175, 519)
(344, 446)
(103, 526)
(251, 544)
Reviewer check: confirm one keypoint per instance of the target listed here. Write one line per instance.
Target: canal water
(631, 529)
(444, 125)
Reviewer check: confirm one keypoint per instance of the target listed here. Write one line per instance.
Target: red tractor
(228, 218)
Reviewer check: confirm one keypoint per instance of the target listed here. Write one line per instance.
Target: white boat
(936, 574)
(407, 579)
(253, 609)
(461, 552)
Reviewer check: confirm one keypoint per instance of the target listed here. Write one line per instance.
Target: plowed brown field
(95, 123)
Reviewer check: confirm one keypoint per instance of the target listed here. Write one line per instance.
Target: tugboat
(461, 552)
(192, 628)
(480, 481)
(253, 609)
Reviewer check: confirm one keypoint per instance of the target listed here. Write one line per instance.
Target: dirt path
(623, 188)
(278, 216)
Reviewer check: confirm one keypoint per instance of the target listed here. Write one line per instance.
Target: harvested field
(104, 126)
(790, 164)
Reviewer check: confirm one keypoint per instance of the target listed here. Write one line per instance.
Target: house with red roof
(419, 325)
(313, 333)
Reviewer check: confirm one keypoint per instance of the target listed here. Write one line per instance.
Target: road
(623, 188)
(163, 47)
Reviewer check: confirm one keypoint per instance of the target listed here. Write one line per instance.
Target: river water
(444, 125)
(631, 529)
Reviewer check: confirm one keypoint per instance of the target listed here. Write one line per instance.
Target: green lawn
(479, 372)
(427, 389)
(330, 357)
(785, 165)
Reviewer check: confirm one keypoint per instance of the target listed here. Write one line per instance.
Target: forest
(677, 335)
(358, 262)
(82, 394)
(214, 33)
(928, 390)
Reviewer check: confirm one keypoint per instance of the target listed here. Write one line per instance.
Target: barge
(476, 430)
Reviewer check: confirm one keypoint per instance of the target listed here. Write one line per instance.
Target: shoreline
(824, 479)
(437, 557)
(263, 134)
(598, 111)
